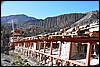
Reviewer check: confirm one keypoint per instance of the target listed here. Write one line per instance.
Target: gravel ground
(6, 60)
(16, 59)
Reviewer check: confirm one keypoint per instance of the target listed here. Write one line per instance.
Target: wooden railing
(27, 45)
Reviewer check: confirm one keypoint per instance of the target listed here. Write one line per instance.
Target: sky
(44, 9)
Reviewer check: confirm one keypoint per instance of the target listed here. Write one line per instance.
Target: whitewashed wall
(65, 49)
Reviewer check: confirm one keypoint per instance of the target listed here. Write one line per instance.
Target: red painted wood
(88, 56)
(76, 40)
(37, 46)
(59, 49)
(51, 48)
(44, 46)
(80, 40)
(70, 51)
(28, 44)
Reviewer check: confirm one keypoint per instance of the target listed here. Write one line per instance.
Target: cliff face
(59, 21)
(51, 24)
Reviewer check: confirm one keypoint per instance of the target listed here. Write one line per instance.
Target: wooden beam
(88, 56)
(78, 39)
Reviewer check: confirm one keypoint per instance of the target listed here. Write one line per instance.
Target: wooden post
(39, 50)
(70, 50)
(37, 47)
(27, 47)
(59, 52)
(88, 56)
(31, 44)
(59, 49)
(15, 46)
(30, 47)
(44, 56)
(21, 47)
(24, 47)
(44, 46)
(51, 46)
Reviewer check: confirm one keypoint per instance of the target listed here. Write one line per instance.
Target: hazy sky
(43, 9)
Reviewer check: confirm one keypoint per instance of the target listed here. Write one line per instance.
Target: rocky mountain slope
(33, 26)
(89, 18)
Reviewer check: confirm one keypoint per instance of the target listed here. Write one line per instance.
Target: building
(16, 35)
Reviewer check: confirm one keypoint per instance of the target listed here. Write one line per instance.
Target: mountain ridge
(21, 18)
(52, 24)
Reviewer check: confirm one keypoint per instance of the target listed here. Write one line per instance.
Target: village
(77, 46)
(50, 33)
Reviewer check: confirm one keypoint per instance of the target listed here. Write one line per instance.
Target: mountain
(51, 24)
(91, 17)
(58, 21)
(17, 18)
